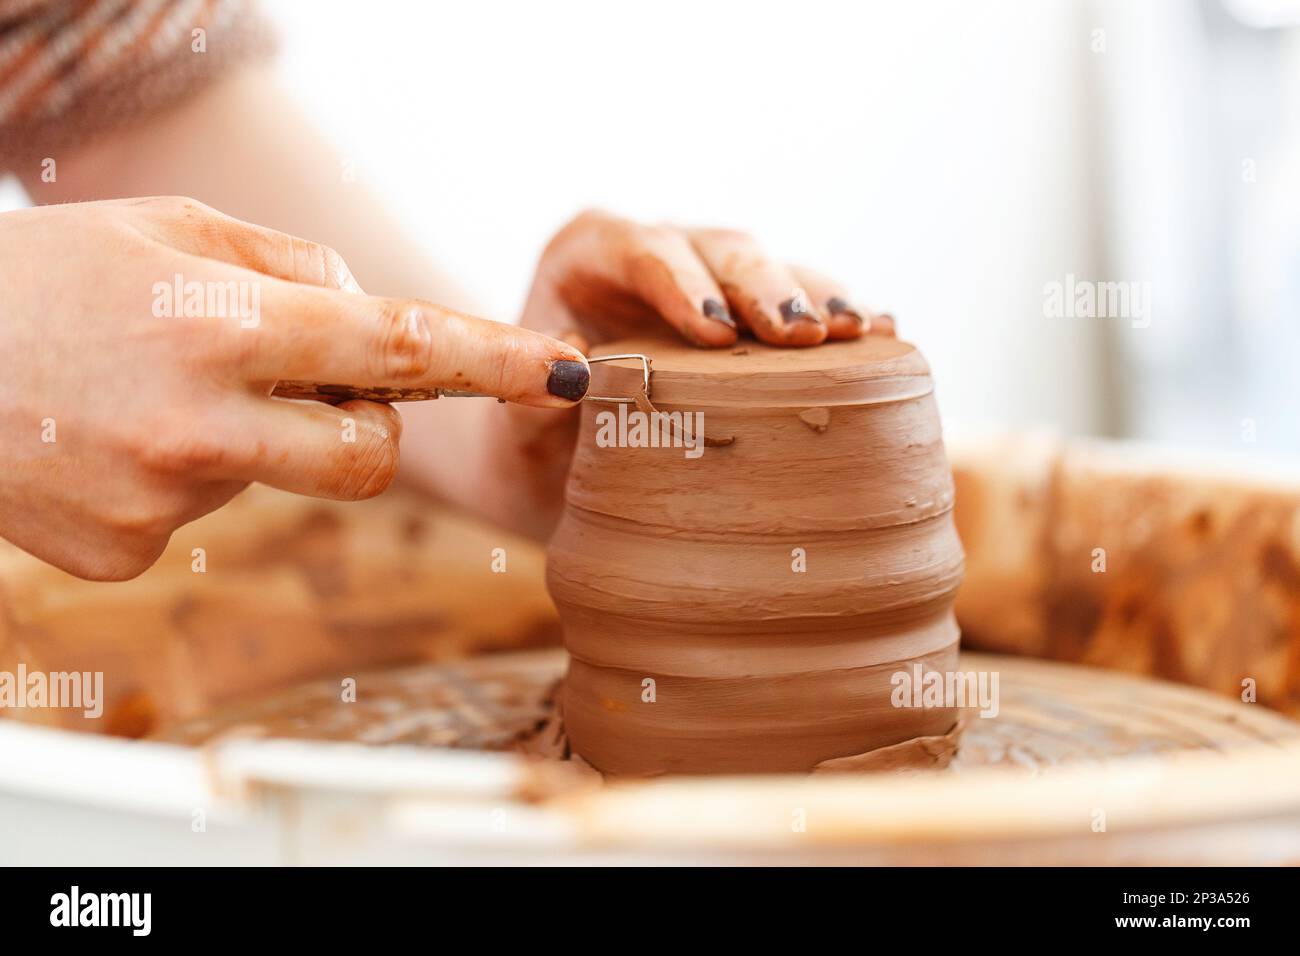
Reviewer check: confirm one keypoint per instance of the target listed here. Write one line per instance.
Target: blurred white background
(945, 159)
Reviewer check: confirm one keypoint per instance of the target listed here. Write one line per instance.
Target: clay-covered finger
(760, 291)
(657, 265)
(322, 335)
(844, 320)
(347, 451)
(669, 275)
(882, 323)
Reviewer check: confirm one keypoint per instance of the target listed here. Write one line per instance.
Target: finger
(882, 323)
(539, 430)
(191, 226)
(763, 293)
(330, 451)
(347, 451)
(843, 320)
(655, 264)
(669, 275)
(322, 335)
(846, 319)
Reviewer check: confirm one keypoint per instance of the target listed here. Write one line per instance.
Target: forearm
(242, 147)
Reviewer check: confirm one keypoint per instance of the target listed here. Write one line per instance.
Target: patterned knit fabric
(72, 68)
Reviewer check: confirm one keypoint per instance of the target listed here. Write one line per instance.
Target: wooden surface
(1049, 715)
(1079, 767)
(294, 588)
(1201, 586)
(1132, 558)
(1188, 808)
(298, 591)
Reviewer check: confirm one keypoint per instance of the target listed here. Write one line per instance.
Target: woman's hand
(606, 278)
(140, 341)
(603, 278)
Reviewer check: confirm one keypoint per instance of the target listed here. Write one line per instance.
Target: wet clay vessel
(746, 610)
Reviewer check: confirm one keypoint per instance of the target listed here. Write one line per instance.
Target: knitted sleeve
(70, 69)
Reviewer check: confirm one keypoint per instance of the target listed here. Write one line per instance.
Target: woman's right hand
(127, 410)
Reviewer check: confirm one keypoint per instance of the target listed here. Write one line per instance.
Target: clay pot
(746, 609)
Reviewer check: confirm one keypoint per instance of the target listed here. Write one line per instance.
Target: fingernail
(568, 380)
(718, 312)
(837, 306)
(796, 310)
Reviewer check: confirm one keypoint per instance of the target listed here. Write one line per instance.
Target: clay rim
(869, 370)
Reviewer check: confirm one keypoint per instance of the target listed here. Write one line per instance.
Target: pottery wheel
(1049, 713)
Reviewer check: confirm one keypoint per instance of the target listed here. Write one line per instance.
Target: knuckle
(591, 216)
(659, 240)
(727, 238)
(232, 346)
(403, 342)
(587, 222)
(180, 205)
(133, 523)
(175, 449)
(655, 234)
(216, 347)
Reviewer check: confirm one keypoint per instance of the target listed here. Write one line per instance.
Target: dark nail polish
(569, 380)
(718, 312)
(796, 310)
(837, 306)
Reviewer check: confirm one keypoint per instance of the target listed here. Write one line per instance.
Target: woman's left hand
(603, 278)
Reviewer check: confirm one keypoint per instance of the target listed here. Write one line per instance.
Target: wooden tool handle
(321, 392)
(334, 394)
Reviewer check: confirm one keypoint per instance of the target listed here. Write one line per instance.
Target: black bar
(979, 906)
